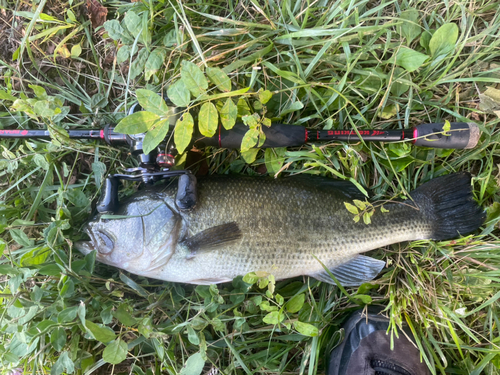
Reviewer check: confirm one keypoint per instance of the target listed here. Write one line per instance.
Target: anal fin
(212, 238)
(354, 272)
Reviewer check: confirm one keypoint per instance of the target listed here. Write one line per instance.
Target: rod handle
(461, 135)
(278, 135)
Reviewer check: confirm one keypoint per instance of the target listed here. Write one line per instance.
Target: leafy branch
(363, 210)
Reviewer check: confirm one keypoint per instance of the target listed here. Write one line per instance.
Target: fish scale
(283, 227)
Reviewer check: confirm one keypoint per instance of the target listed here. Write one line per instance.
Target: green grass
(329, 64)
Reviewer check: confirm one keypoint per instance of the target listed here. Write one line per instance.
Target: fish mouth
(84, 247)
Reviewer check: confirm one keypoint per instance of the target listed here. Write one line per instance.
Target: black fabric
(366, 350)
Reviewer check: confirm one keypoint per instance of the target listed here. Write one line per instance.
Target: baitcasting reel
(153, 167)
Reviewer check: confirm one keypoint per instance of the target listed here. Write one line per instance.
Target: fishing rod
(157, 164)
(457, 135)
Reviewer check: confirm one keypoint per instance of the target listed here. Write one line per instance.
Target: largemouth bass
(285, 227)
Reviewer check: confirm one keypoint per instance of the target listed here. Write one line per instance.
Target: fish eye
(106, 244)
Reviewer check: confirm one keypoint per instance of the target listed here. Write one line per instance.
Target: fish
(284, 227)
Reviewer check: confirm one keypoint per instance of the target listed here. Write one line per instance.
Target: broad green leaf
(360, 204)
(274, 158)
(279, 299)
(123, 54)
(20, 237)
(123, 315)
(17, 347)
(170, 38)
(410, 30)
(152, 102)
(5, 269)
(138, 122)
(208, 119)
(63, 364)
(183, 132)
(39, 91)
(67, 315)
(35, 257)
(146, 327)
(155, 135)
(46, 17)
(99, 169)
(389, 111)
(263, 282)
(6, 96)
(193, 78)
(410, 59)
(265, 96)
(43, 109)
(137, 66)
(102, 334)
(133, 23)
(351, 208)
(179, 94)
(397, 88)
(306, 329)
(76, 50)
(250, 278)
(194, 365)
(243, 108)
(154, 62)
(444, 40)
(250, 155)
(250, 139)
(116, 352)
(274, 317)
(446, 128)
(295, 106)
(228, 114)
(41, 161)
(367, 217)
(145, 33)
(192, 336)
(114, 29)
(296, 303)
(425, 38)
(71, 15)
(219, 79)
(251, 120)
(68, 289)
(363, 298)
(106, 315)
(58, 338)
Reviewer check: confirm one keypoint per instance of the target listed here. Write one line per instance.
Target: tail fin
(447, 201)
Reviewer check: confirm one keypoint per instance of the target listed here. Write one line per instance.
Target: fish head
(142, 237)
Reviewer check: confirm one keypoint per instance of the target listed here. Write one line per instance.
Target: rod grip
(278, 135)
(461, 135)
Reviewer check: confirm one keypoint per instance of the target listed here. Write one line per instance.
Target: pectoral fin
(354, 272)
(212, 238)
